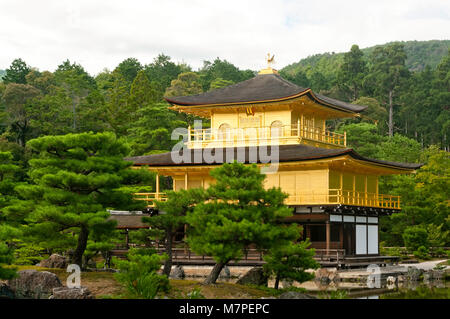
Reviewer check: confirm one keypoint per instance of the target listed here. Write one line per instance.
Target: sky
(100, 34)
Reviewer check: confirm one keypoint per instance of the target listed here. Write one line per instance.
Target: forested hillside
(419, 54)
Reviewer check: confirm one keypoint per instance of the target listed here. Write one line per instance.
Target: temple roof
(261, 88)
(287, 153)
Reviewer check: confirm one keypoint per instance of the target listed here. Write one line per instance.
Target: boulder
(295, 295)
(254, 276)
(225, 273)
(177, 272)
(71, 293)
(5, 291)
(322, 276)
(54, 261)
(33, 284)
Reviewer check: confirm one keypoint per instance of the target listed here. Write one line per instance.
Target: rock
(177, 273)
(225, 273)
(286, 283)
(254, 276)
(6, 292)
(295, 295)
(437, 274)
(54, 261)
(413, 274)
(71, 293)
(32, 284)
(322, 276)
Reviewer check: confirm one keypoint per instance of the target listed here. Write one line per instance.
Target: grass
(104, 286)
(99, 283)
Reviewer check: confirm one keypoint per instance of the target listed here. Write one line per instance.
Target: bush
(415, 237)
(290, 262)
(422, 253)
(138, 273)
(6, 258)
(29, 254)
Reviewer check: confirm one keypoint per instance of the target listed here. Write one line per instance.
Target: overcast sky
(100, 34)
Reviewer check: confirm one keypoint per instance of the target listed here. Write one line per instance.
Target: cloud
(100, 34)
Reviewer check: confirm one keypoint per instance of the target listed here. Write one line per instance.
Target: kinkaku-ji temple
(333, 191)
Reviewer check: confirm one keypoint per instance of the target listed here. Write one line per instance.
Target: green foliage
(415, 237)
(291, 262)
(196, 293)
(220, 83)
(162, 71)
(6, 258)
(74, 179)
(334, 294)
(17, 72)
(17, 99)
(139, 273)
(153, 128)
(187, 83)
(172, 216)
(363, 137)
(238, 212)
(352, 71)
(422, 253)
(129, 69)
(400, 148)
(424, 197)
(220, 73)
(28, 253)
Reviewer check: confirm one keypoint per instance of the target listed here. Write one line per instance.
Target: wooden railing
(338, 196)
(287, 134)
(334, 196)
(150, 198)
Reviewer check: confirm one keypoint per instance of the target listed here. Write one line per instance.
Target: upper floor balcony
(334, 196)
(269, 135)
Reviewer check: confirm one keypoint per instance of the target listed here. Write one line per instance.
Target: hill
(2, 73)
(420, 54)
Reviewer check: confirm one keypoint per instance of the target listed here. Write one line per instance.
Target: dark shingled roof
(287, 153)
(263, 87)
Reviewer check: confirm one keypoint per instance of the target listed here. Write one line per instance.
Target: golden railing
(263, 135)
(344, 197)
(334, 196)
(150, 198)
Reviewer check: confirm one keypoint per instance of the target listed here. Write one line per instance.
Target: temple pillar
(157, 184)
(327, 225)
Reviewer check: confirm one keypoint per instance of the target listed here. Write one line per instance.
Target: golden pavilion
(333, 191)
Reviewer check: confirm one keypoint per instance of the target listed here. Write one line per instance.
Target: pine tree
(238, 212)
(172, 216)
(17, 72)
(291, 262)
(353, 70)
(75, 179)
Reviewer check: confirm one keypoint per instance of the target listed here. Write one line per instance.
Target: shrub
(290, 262)
(29, 254)
(422, 253)
(6, 258)
(415, 237)
(139, 273)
